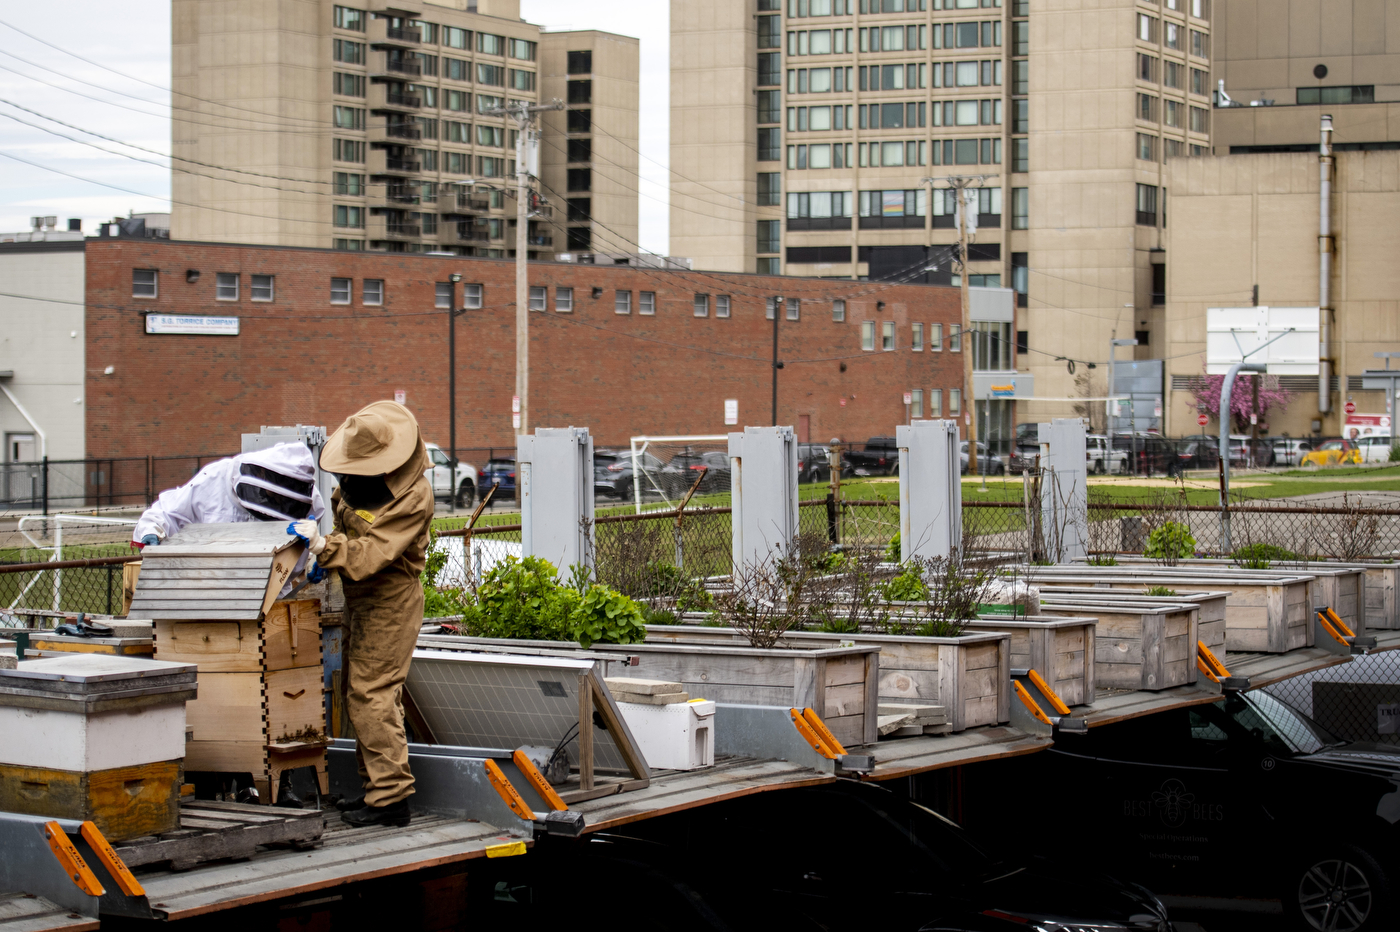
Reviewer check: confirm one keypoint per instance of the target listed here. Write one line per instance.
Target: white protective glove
(309, 531)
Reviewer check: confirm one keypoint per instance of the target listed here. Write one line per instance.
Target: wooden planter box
(968, 675)
(1263, 614)
(1060, 649)
(1342, 586)
(1212, 604)
(1141, 645)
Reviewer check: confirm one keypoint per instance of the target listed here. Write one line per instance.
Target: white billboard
(1237, 333)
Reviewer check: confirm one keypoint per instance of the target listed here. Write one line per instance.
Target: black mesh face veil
(365, 491)
(267, 505)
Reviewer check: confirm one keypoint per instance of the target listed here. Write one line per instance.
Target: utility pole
(778, 308)
(960, 184)
(526, 145)
(1113, 408)
(452, 313)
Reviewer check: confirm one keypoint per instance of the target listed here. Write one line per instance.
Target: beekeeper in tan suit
(383, 509)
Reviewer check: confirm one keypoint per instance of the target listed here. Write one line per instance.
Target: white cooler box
(676, 736)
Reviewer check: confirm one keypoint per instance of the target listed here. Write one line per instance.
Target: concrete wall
(300, 359)
(1245, 219)
(43, 343)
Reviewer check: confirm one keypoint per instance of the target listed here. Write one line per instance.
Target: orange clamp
(73, 864)
(1030, 703)
(1340, 625)
(537, 780)
(1325, 621)
(1055, 701)
(824, 733)
(810, 736)
(1209, 664)
(503, 786)
(121, 874)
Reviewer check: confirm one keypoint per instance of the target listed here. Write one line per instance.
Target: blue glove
(314, 572)
(308, 531)
(150, 540)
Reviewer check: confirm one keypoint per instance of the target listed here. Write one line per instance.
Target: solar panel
(510, 701)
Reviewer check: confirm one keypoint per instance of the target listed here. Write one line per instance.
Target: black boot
(350, 805)
(395, 814)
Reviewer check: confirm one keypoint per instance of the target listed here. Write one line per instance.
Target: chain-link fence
(63, 564)
(1356, 701)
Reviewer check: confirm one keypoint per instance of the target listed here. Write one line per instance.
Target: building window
(347, 215)
(1147, 28)
(916, 403)
(1023, 342)
(769, 32)
(770, 186)
(954, 401)
(1159, 284)
(1147, 205)
(770, 144)
(794, 308)
(770, 106)
(348, 183)
(1146, 147)
(143, 283)
(867, 335)
(1200, 44)
(935, 403)
(580, 209)
(347, 52)
(493, 75)
(563, 300)
(1020, 155)
(489, 44)
(623, 303)
(580, 92)
(471, 296)
(372, 291)
(770, 69)
(579, 121)
(838, 311)
(769, 235)
(262, 288)
(442, 294)
(1147, 108)
(1200, 82)
(955, 338)
(580, 179)
(992, 346)
(521, 49)
(226, 286)
(349, 85)
(887, 336)
(349, 150)
(702, 305)
(768, 306)
(494, 136)
(340, 290)
(768, 266)
(935, 338)
(346, 18)
(1171, 76)
(522, 80)
(1020, 208)
(539, 298)
(646, 303)
(348, 117)
(916, 337)
(581, 62)
(721, 305)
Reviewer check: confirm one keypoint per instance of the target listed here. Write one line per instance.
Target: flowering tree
(1206, 390)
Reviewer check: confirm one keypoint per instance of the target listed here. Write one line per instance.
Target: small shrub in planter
(1103, 559)
(893, 553)
(1170, 542)
(1260, 556)
(1161, 591)
(524, 599)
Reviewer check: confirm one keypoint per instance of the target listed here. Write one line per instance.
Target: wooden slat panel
(845, 700)
(909, 684)
(278, 650)
(1118, 651)
(1177, 648)
(982, 656)
(216, 646)
(980, 682)
(848, 729)
(841, 671)
(980, 710)
(167, 579)
(234, 756)
(295, 708)
(150, 560)
(229, 709)
(188, 614)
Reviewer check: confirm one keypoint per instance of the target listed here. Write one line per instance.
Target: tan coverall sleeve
(360, 548)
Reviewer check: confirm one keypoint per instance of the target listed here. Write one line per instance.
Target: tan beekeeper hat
(379, 438)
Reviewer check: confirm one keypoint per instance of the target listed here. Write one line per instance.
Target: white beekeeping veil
(277, 484)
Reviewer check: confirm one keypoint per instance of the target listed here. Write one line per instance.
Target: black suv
(1148, 454)
(613, 475)
(841, 856)
(1241, 797)
(814, 463)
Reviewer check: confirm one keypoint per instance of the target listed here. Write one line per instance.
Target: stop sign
(1202, 420)
(1351, 407)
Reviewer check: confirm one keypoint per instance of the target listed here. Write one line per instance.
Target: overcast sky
(133, 37)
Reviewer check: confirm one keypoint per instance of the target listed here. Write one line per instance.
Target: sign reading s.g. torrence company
(180, 323)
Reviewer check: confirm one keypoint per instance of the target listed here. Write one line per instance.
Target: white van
(1101, 458)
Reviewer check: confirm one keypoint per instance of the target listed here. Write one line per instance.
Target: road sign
(908, 397)
(1202, 420)
(1351, 407)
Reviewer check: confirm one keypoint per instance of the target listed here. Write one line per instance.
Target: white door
(21, 448)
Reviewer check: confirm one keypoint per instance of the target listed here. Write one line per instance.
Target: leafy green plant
(1160, 590)
(1261, 556)
(908, 586)
(606, 616)
(439, 600)
(1169, 542)
(1103, 559)
(522, 599)
(893, 553)
(1395, 453)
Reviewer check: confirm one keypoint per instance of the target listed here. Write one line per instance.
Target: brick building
(620, 350)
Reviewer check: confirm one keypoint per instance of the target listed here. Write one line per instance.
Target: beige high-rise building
(803, 133)
(373, 125)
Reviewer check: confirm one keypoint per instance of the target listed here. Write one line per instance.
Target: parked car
(1102, 457)
(856, 857)
(680, 473)
(444, 481)
(613, 473)
(987, 464)
(500, 469)
(1290, 451)
(814, 462)
(1223, 799)
(1198, 452)
(1374, 449)
(1147, 454)
(1333, 453)
(880, 457)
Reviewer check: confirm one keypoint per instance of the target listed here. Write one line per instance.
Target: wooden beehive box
(212, 594)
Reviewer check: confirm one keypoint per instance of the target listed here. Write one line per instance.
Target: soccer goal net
(655, 473)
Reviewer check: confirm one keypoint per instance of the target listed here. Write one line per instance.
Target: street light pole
(960, 184)
(1113, 408)
(452, 312)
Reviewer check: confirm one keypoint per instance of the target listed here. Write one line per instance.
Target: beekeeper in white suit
(276, 484)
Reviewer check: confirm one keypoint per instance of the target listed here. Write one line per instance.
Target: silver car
(1288, 452)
